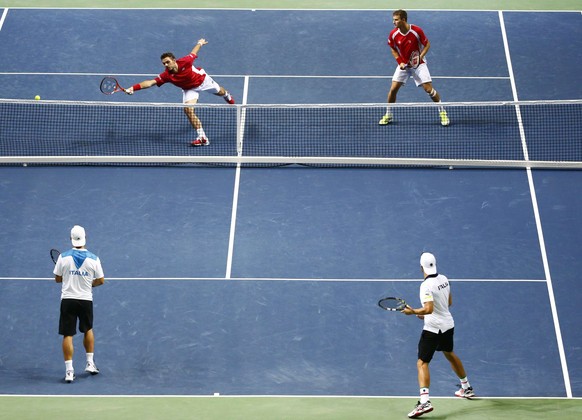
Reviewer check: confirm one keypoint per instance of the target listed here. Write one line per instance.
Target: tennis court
(261, 283)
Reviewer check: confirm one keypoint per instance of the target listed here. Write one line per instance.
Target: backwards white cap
(428, 263)
(78, 236)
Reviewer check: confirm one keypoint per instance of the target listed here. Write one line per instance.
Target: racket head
(414, 59)
(392, 303)
(55, 253)
(109, 85)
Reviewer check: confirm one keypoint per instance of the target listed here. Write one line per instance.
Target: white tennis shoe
(420, 409)
(69, 376)
(465, 393)
(91, 368)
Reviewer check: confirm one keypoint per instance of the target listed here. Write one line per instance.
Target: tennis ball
(37, 97)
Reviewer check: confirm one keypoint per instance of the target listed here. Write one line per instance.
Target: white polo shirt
(78, 268)
(437, 289)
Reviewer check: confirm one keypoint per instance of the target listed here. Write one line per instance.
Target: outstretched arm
(198, 45)
(142, 85)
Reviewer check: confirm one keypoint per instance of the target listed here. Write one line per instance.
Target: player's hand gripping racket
(55, 255)
(392, 304)
(414, 61)
(110, 85)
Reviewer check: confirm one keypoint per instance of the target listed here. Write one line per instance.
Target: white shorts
(208, 85)
(420, 75)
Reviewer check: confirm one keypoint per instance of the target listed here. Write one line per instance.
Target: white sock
(227, 95)
(465, 383)
(424, 395)
(201, 132)
(69, 365)
(90, 358)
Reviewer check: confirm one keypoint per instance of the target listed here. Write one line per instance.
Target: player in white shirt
(437, 334)
(79, 271)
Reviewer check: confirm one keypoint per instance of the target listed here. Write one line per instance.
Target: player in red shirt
(409, 45)
(182, 73)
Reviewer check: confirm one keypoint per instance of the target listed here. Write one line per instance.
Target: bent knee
(420, 363)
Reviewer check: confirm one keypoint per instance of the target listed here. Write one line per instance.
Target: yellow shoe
(385, 120)
(444, 118)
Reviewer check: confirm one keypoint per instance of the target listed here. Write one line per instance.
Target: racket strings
(392, 304)
(108, 85)
(55, 255)
(414, 59)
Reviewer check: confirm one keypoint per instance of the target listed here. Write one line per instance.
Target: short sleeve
(425, 294)
(99, 270)
(58, 271)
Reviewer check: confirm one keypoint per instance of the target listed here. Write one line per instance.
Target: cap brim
(430, 270)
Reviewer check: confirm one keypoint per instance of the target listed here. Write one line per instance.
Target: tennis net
(506, 134)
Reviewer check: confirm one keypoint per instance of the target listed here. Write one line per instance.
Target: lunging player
(182, 73)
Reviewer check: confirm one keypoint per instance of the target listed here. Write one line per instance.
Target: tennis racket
(414, 60)
(392, 304)
(55, 255)
(110, 85)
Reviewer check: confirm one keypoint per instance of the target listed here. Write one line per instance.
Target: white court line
(540, 232)
(3, 18)
(317, 76)
(259, 76)
(266, 9)
(417, 280)
(386, 397)
(240, 135)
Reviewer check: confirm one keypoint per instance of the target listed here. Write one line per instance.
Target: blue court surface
(267, 283)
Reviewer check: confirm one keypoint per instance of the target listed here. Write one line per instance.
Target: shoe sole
(92, 373)
(201, 144)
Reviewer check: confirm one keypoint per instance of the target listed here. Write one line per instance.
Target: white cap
(428, 263)
(78, 236)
